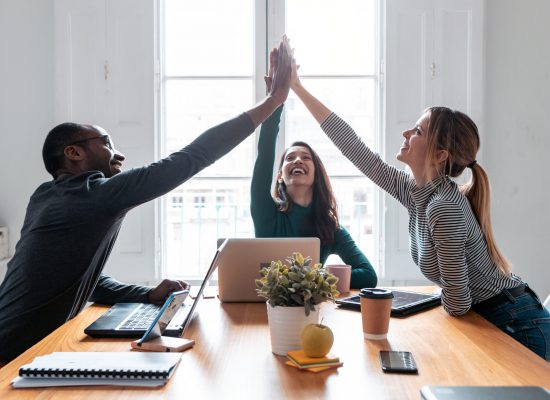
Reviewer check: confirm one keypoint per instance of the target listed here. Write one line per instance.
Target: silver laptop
(484, 393)
(135, 319)
(241, 260)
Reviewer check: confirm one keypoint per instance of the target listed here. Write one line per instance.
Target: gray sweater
(69, 230)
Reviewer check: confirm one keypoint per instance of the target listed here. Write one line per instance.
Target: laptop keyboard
(142, 318)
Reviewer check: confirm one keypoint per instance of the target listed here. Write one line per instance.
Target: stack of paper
(98, 368)
(298, 359)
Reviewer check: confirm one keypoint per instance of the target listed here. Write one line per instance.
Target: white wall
(517, 137)
(434, 56)
(27, 113)
(91, 37)
(26, 105)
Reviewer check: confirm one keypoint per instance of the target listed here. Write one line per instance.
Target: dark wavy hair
(57, 139)
(324, 222)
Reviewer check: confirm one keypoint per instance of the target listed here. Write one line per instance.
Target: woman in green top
(302, 204)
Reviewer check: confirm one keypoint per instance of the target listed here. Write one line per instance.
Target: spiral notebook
(98, 368)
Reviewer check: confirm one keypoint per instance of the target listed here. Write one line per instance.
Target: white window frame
(269, 27)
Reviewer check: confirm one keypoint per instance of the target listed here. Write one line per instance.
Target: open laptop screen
(241, 260)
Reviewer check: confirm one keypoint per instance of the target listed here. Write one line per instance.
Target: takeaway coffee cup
(343, 273)
(375, 312)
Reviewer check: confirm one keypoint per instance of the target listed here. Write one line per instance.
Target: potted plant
(292, 291)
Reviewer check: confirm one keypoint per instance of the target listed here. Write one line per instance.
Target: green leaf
(284, 281)
(300, 283)
(294, 276)
(332, 280)
(299, 258)
(296, 298)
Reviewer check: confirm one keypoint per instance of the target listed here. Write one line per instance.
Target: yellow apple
(316, 340)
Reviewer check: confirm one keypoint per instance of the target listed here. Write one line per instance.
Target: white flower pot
(285, 326)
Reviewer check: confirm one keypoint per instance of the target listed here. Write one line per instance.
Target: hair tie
(471, 165)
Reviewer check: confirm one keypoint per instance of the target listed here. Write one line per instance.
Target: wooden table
(232, 358)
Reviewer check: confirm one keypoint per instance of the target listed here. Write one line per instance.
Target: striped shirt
(446, 241)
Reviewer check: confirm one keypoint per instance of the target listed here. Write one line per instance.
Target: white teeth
(298, 171)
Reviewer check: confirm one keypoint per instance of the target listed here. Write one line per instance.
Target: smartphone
(398, 361)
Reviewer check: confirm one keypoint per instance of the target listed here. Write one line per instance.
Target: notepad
(98, 368)
(314, 369)
(299, 358)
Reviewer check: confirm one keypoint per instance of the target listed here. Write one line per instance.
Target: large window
(214, 56)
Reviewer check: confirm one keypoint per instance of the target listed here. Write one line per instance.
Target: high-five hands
(277, 81)
(294, 78)
(273, 57)
(280, 69)
(273, 63)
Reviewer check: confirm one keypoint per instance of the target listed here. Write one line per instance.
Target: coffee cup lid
(376, 293)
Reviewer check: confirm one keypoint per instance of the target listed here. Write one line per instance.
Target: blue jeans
(526, 320)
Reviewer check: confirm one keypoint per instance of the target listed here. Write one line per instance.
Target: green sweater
(270, 222)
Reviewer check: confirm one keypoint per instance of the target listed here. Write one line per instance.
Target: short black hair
(57, 139)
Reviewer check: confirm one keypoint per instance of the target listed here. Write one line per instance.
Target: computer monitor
(240, 261)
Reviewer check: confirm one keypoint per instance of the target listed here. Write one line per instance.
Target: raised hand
(273, 58)
(277, 81)
(281, 72)
(294, 78)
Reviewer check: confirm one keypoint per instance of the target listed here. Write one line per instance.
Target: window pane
(193, 106)
(333, 37)
(209, 37)
(355, 197)
(208, 78)
(351, 99)
(198, 213)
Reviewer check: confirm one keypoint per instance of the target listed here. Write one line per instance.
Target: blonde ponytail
(478, 193)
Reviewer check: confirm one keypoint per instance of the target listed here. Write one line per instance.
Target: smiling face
(414, 149)
(101, 154)
(298, 168)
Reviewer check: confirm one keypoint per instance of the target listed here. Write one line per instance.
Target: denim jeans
(526, 320)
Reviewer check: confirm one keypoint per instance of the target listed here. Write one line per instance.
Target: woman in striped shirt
(450, 230)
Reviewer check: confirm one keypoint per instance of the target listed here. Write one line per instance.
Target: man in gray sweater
(72, 221)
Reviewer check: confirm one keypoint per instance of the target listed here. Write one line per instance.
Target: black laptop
(404, 302)
(134, 319)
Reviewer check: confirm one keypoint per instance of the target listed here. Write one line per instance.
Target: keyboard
(140, 319)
